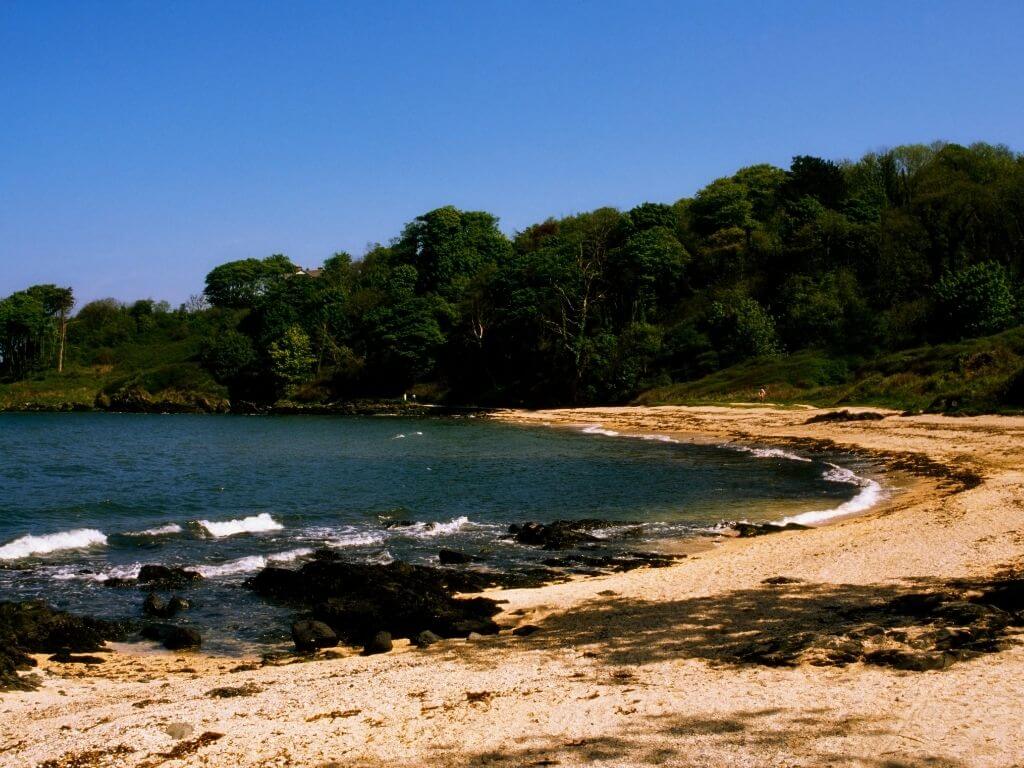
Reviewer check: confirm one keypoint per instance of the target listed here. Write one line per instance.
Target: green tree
(975, 301)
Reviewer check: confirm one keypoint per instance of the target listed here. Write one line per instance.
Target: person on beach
(762, 393)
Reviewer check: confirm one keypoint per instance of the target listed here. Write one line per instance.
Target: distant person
(762, 393)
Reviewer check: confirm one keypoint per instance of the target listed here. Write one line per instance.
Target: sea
(86, 497)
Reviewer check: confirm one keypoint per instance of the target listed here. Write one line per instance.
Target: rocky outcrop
(560, 534)
(358, 600)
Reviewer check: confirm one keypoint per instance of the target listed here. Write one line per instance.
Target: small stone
(525, 630)
(179, 730)
(473, 636)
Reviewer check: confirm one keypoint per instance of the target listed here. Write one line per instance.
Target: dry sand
(630, 669)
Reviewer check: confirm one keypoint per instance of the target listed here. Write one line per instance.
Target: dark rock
(561, 534)
(454, 557)
(915, 604)
(33, 626)
(119, 583)
(162, 577)
(310, 636)
(154, 606)
(177, 605)
(781, 580)
(68, 658)
(961, 612)
(173, 637)
(358, 599)
(1007, 595)
(379, 643)
(845, 415)
(525, 630)
(426, 638)
(746, 530)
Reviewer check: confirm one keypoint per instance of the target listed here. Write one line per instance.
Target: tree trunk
(63, 336)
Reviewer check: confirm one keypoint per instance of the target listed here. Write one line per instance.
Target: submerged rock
(156, 606)
(162, 577)
(454, 557)
(560, 534)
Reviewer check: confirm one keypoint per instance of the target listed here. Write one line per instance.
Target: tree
(240, 284)
(975, 301)
(291, 356)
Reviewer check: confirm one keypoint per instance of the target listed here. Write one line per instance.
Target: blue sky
(142, 143)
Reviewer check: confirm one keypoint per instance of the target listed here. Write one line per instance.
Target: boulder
(525, 630)
(560, 534)
(454, 557)
(746, 530)
(154, 606)
(425, 639)
(173, 637)
(310, 636)
(379, 643)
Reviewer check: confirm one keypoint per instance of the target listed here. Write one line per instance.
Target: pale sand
(626, 679)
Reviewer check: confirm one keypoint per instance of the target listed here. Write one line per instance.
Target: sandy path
(631, 669)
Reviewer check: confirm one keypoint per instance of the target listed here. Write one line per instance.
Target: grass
(972, 376)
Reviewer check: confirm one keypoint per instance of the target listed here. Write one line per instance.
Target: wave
(252, 524)
(69, 572)
(597, 429)
(355, 540)
(659, 438)
(431, 529)
(251, 563)
(27, 546)
(870, 494)
(766, 453)
(160, 530)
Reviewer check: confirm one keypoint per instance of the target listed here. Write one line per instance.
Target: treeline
(918, 244)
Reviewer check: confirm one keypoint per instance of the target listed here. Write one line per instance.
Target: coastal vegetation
(896, 279)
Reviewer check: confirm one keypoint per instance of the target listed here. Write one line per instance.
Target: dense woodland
(851, 261)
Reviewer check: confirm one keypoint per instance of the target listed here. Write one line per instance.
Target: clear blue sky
(142, 143)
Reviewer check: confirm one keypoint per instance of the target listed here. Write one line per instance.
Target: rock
(453, 557)
(179, 730)
(310, 636)
(525, 630)
(154, 606)
(33, 626)
(961, 612)
(474, 636)
(358, 599)
(162, 577)
(119, 583)
(845, 415)
(65, 657)
(560, 534)
(746, 530)
(173, 637)
(379, 643)
(915, 604)
(1006, 594)
(177, 605)
(425, 638)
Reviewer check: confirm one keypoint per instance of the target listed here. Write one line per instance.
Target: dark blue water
(84, 497)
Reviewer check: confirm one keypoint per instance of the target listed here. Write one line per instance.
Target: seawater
(87, 497)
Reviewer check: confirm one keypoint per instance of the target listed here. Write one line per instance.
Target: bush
(975, 301)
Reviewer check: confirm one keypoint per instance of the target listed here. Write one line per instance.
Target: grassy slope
(165, 369)
(971, 375)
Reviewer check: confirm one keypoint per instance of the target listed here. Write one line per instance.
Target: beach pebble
(179, 730)
(379, 643)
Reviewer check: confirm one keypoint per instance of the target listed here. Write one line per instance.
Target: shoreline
(627, 669)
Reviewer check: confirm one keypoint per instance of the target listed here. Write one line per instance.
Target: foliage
(827, 280)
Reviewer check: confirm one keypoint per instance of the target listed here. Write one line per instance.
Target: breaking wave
(251, 563)
(252, 524)
(160, 530)
(870, 494)
(766, 453)
(26, 546)
(597, 429)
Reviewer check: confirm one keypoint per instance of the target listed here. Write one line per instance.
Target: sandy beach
(650, 667)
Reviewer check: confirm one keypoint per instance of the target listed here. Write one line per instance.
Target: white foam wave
(659, 438)
(160, 530)
(27, 546)
(431, 529)
(69, 572)
(870, 494)
(597, 429)
(766, 453)
(251, 563)
(355, 540)
(252, 524)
